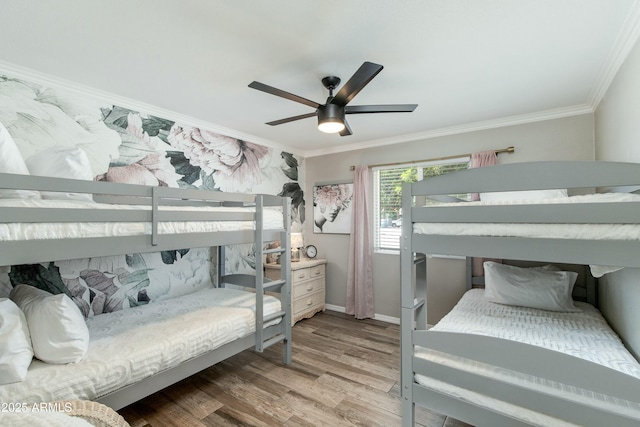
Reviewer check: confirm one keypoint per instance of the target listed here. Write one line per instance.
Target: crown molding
(625, 41)
(20, 72)
(556, 113)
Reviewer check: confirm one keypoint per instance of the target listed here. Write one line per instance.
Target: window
(387, 183)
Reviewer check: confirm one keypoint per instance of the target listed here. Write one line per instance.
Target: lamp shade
(331, 126)
(296, 240)
(330, 118)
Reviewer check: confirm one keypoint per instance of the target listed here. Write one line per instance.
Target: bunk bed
(489, 378)
(116, 219)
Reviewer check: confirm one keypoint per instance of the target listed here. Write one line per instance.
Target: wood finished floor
(345, 372)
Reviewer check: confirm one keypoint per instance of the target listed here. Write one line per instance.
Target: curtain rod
(498, 151)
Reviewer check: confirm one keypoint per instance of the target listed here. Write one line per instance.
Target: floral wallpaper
(104, 284)
(133, 147)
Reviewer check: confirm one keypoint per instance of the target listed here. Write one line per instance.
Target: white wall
(617, 118)
(617, 124)
(569, 138)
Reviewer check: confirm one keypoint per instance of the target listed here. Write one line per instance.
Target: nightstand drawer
(298, 276)
(317, 271)
(302, 304)
(307, 288)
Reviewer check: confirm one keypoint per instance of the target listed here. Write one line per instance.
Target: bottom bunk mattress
(583, 334)
(129, 345)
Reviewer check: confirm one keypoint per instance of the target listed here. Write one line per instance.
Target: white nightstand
(308, 286)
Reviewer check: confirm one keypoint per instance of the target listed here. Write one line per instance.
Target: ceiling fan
(331, 115)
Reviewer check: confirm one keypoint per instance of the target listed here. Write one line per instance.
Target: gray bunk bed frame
(519, 357)
(33, 251)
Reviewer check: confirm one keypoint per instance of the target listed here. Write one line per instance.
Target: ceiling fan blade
(291, 119)
(388, 108)
(281, 93)
(359, 80)
(347, 130)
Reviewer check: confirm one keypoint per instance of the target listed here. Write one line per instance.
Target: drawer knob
(301, 276)
(310, 288)
(309, 302)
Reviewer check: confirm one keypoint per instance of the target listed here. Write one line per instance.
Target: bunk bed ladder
(413, 297)
(284, 284)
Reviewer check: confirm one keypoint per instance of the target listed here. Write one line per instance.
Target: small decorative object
(332, 208)
(273, 258)
(311, 251)
(296, 243)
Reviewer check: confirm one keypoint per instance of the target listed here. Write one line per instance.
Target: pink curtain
(478, 160)
(360, 267)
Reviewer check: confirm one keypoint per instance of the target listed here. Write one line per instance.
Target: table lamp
(296, 243)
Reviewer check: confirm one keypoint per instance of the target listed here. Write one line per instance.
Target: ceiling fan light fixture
(331, 115)
(331, 118)
(331, 126)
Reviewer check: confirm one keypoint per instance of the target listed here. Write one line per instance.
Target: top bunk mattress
(561, 230)
(272, 220)
(129, 345)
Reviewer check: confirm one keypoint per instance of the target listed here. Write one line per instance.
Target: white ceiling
(467, 63)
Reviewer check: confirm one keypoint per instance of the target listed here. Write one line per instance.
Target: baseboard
(380, 317)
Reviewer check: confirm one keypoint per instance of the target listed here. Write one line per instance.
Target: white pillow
(59, 333)
(546, 267)
(11, 162)
(524, 195)
(529, 287)
(61, 162)
(15, 344)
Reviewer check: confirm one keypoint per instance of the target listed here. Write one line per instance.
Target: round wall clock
(311, 251)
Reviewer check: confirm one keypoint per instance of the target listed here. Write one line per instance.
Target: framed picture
(332, 209)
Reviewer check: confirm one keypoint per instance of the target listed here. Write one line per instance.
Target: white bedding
(31, 231)
(557, 231)
(548, 231)
(585, 198)
(129, 345)
(585, 335)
